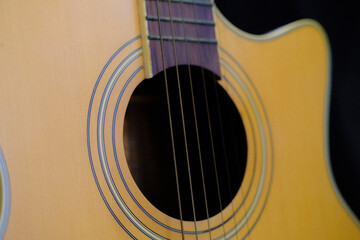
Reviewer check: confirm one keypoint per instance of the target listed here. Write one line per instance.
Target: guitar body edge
(287, 72)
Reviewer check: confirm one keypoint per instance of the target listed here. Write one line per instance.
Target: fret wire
(181, 39)
(179, 20)
(206, 4)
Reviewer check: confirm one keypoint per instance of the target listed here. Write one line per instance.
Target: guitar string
(223, 145)
(213, 154)
(183, 119)
(195, 119)
(210, 126)
(218, 108)
(170, 122)
(237, 157)
(211, 131)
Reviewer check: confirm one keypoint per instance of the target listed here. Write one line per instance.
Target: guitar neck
(178, 33)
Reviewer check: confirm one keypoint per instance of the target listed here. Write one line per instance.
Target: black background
(342, 23)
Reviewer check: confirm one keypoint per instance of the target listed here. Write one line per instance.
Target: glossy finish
(67, 71)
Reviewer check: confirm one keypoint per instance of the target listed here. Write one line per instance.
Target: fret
(182, 39)
(198, 3)
(181, 20)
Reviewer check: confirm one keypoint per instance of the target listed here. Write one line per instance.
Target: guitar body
(56, 59)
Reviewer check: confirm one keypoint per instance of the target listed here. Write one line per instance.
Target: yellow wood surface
(290, 70)
(51, 55)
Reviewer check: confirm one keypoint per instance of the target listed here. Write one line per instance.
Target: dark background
(342, 23)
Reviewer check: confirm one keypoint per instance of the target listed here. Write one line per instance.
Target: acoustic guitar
(158, 119)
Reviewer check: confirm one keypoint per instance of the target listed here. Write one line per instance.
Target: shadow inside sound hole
(148, 145)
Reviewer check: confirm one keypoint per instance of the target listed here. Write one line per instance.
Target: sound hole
(148, 147)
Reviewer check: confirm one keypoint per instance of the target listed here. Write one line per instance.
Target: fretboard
(189, 26)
